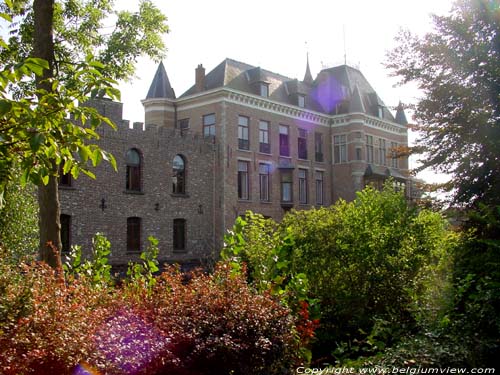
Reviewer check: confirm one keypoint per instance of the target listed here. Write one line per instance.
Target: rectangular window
(264, 182)
(64, 178)
(264, 145)
(303, 186)
(301, 101)
(369, 149)
(358, 153)
(319, 188)
(65, 233)
(340, 148)
(264, 90)
(209, 125)
(133, 234)
(302, 144)
(286, 187)
(183, 124)
(382, 152)
(394, 155)
(318, 147)
(179, 235)
(243, 140)
(284, 141)
(243, 180)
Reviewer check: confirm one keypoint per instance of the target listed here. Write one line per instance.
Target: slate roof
(400, 115)
(160, 86)
(338, 90)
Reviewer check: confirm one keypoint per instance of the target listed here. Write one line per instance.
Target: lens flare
(329, 93)
(85, 369)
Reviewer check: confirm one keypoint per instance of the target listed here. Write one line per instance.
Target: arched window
(179, 175)
(133, 177)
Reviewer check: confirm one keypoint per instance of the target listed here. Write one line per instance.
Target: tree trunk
(48, 195)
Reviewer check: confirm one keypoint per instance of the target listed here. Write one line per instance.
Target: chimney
(200, 78)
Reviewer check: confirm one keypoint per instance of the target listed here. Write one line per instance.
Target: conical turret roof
(308, 76)
(160, 86)
(400, 115)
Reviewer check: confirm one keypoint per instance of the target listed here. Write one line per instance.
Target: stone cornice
(267, 105)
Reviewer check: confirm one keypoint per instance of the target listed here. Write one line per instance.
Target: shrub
(364, 260)
(53, 329)
(204, 324)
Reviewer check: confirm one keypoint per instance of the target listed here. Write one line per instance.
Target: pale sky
(277, 34)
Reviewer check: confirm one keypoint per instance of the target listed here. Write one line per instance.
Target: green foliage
(143, 273)
(457, 66)
(255, 245)
(19, 221)
(476, 286)
(35, 131)
(78, 32)
(97, 269)
(375, 264)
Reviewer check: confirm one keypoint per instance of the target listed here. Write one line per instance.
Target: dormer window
(380, 112)
(264, 89)
(301, 99)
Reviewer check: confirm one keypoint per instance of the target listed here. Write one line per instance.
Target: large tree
(457, 66)
(73, 58)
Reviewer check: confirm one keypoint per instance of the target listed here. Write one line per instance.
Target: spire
(400, 115)
(356, 104)
(160, 87)
(308, 76)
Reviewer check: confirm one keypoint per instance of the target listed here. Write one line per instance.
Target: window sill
(134, 252)
(243, 150)
(178, 195)
(265, 153)
(266, 202)
(133, 192)
(306, 159)
(244, 200)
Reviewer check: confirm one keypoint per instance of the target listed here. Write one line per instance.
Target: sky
(277, 35)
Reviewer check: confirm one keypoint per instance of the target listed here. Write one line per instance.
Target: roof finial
(345, 50)
(308, 76)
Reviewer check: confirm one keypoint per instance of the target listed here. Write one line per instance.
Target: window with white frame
(264, 145)
(369, 149)
(382, 151)
(209, 125)
(284, 140)
(340, 148)
(243, 180)
(319, 188)
(301, 101)
(243, 139)
(264, 89)
(394, 155)
(302, 186)
(264, 182)
(286, 186)
(302, 144)
(318, 146)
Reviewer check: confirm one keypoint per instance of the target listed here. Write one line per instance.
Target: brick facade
(212, 198)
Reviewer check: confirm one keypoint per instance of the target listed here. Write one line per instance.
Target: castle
(241, 138)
